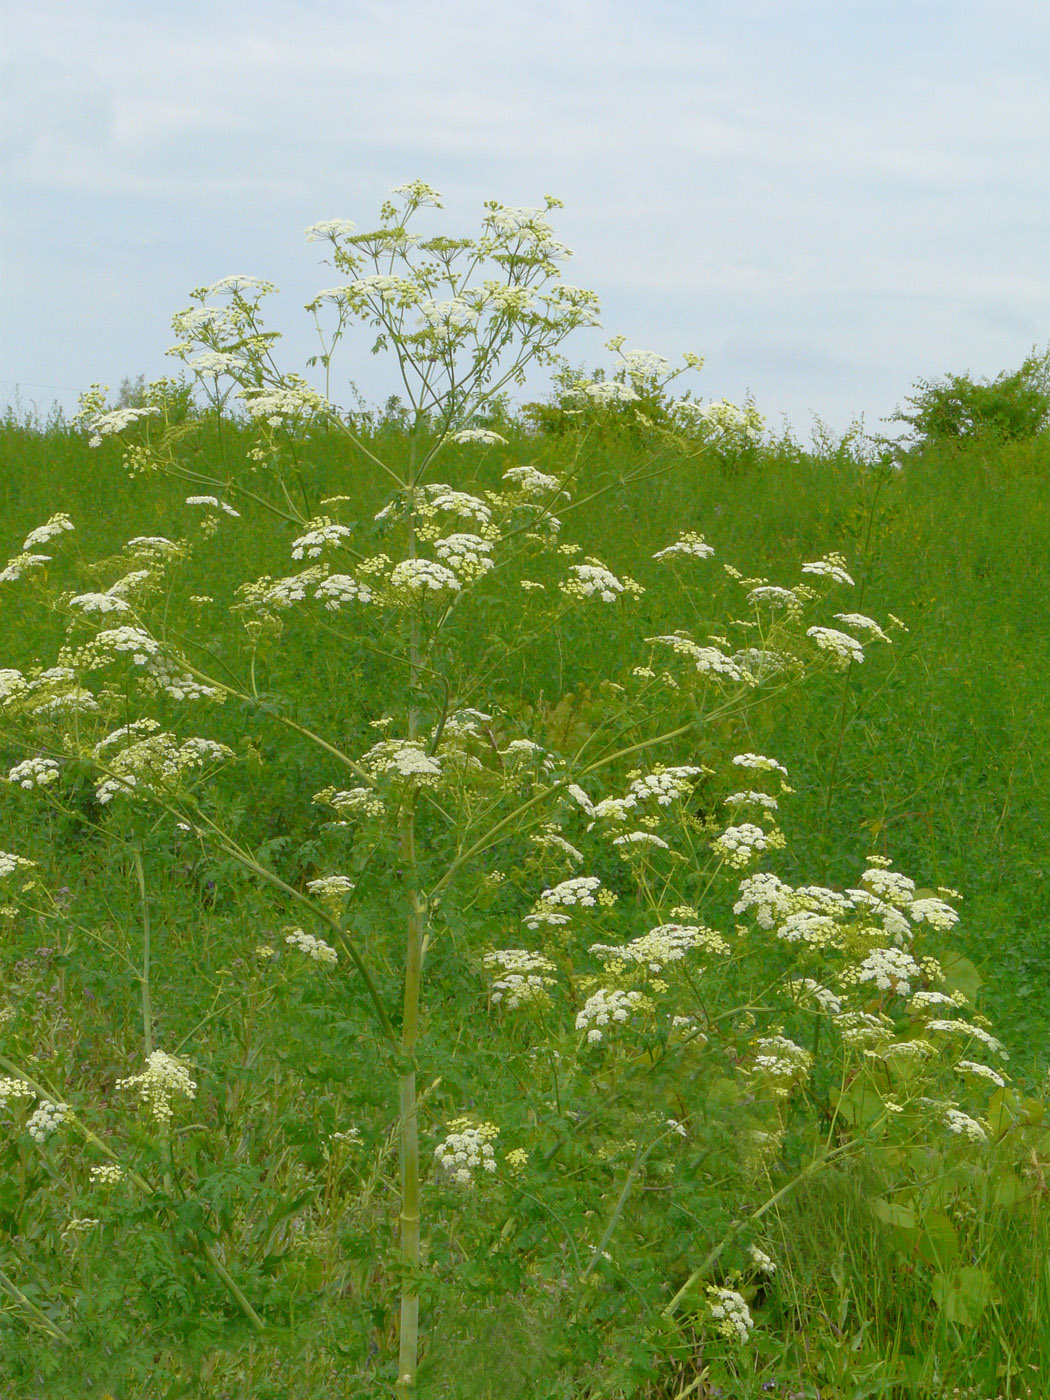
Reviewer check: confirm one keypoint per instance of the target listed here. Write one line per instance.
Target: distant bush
(956, 409)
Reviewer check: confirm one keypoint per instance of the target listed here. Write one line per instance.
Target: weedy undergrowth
(609, 1050)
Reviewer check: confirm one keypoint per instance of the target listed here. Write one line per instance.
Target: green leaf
(964, 1293)
(893, 1213)
(960, 975)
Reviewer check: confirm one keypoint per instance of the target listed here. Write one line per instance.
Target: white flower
(579, 890)
(862, 1030)
(641, 838)
(46, 1119)
(523, 977)
(841, 645)
(761, 1261)
(338, 589)
(404, 757)
(866, 624)
(590, 579)
(14, 1089)
(607, 392)
(782, 1062)
(646, 364)
(774, 597)
(466, 1148)
(663, 944)
(330, 228)
(935, 912)
(461, 503)
(99, 603)
(482, 435)
(738, 845)
(808, 926)
(607, 1005)
(163, 1079)
(17, 567)
(315, 948)
(979, 1071)
(530, 481)
(826, 1000)
(752, 799)
(107, 1175)
(889, 885)
(964, 1125)
(214, 502)
(758, 761)
(965, 1028)
(730, 1313)
(320, 533)
(424, 576)
(767, 895)
(690, 544)
(666, 785)
(890, 970)
(34, 772)
(466, 554)
(46, 532)
(831, 566)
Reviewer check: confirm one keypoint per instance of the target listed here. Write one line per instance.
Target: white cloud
(835, 190)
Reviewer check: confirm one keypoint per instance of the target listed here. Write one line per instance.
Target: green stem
(34, 1312)
(735, 1229)
(147, 1009)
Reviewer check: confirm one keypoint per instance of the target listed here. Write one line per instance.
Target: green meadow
(932, 753)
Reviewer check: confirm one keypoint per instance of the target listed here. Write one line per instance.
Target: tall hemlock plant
(643, 1067)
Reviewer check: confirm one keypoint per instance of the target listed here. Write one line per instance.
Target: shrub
(957, 410)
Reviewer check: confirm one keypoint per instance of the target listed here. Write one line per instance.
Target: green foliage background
(935, 755)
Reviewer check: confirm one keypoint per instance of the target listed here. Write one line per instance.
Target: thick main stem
(408, 1338)
(408, 1347)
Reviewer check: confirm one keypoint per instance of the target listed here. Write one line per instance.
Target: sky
(829, 200)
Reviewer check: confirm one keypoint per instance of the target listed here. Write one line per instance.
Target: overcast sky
(828, 199)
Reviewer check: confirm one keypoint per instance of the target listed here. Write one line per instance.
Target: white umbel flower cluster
(108, 1175)
(467, 1148)
(690, 545)
(964, 1126)
(319, 534)
(590, 580)
(164, 1079)
(338, 589)
(782, 1062)
(739, 845)
(935, 912)
(530, 481)
(467, 555)
(663, 944)
(666, 785)
(421, 576)
(13, 1089)
(48, 531)
(760, 763)
(605, 1006)
(523, 977)
(579, 890)
(484, 436)
(767, 895)
(890, 969)
(832, 566)
(34, 773)
(730, 1313)
(46, 1119)
(843, 648)
(315, 948)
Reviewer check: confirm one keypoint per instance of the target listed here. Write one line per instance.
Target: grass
(933, 752)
